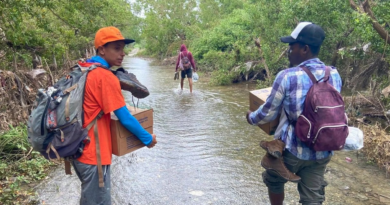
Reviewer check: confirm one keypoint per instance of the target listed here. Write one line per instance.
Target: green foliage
(217, 60)
(226, 45)
(18, 165)
(265, 83)
(166, 23)
(228, 36)
(13, 144)
(221, 77)
(56, 29)
(221, 33)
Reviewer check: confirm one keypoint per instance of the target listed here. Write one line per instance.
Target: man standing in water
(103, 95)
(287, 97)
(186, 63)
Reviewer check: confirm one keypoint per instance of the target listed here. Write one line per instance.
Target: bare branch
(365, 8)
(258, 45)
(59, 17)
(282, 54)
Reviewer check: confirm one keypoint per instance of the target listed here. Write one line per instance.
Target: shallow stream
(207, 154)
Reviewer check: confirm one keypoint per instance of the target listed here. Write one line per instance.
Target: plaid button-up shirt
(288, 93)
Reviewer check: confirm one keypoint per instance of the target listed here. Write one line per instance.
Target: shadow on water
(206, 153)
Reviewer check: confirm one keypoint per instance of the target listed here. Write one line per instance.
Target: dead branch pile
(359, 105)
(17, 95)
(377, 146)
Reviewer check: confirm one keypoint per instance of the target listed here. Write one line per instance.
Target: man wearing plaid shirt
(287, 98)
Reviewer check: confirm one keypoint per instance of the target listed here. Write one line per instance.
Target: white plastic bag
(354, 140)
(195, 77)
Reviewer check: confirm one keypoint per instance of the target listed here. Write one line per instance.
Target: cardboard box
(122, 140)
(256, 99)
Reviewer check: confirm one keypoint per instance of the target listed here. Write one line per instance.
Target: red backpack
(323, 124)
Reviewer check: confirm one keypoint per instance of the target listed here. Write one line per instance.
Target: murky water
(207, 154)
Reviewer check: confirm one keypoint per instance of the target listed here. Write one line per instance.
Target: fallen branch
(383, 110)
(29, 152)
(254, 77)
(282, 54)
(367, 71)
(48, 69)
(366, 98)
(383, 196)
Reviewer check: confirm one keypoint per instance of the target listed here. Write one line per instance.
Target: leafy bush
(19, 165)
(52, 29)
(221, 77)
(221, 33)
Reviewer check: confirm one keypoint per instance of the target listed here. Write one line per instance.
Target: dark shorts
(91, 193)
(187, 72)
(311, 188)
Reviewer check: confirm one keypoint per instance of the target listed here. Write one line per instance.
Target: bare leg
(181, 83)
(190, 82)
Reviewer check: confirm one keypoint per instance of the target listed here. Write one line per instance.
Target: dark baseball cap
(307, 33)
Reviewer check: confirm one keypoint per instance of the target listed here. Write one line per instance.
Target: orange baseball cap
(109, 34)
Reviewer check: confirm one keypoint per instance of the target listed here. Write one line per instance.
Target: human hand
(247, 116)
(154, 141)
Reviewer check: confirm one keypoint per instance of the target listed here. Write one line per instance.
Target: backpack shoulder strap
(97, 144)
(68, 170)
(181, 55)
(308, 72)
(327, 73)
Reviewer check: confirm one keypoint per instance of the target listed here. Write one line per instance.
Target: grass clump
(20, 167)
